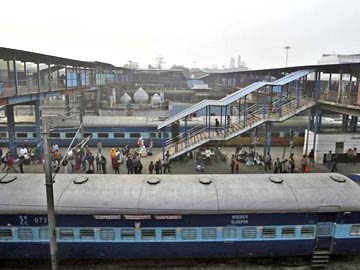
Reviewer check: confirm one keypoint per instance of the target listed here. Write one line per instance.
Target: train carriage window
(229, 233)
(148, 234)
(268, 232)
(54, 135)
(3, 135)
(153, 135)
(87, 234)
(209, 233)
(168, 234)
(307, 231)
(135, 135)
(70, 135)
(355, 230)
(127, 234)
(25, 234)
(288, 232)
(248, 233)
(44, 233)
(189, 234)
(34, 135)
(5, 234)
(119, 135)
(88, 135)
(21, 135)
(107, 234)
(66, 234)
(103, 135)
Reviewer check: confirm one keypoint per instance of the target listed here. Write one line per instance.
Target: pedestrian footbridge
(274, 101)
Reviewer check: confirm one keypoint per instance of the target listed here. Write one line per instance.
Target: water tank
(125, 99)
(155, 99)
(141, 96)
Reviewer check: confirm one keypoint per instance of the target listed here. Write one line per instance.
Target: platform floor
(187, 166)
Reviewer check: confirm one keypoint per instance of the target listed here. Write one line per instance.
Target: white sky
(183, 32)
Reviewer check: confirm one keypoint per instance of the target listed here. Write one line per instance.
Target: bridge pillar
(267, 144)
(225, 121)
(97, 102)
(310, 125)
(340, 87)
(316, 127)
(11, 129)
(186, 132)
(67, 105)
(82, 114)
(245, 112)
(265, 103)
(281, 101)
(15, 77)
(353, 124)
(37, 105)
(209, 121)
(297, 89)
(345, 122)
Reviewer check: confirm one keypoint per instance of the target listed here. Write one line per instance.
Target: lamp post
(287, 53)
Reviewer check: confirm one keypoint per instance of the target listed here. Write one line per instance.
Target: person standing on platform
(103, 164)
(115, 165)
(334, 163)
(99, 146)
(305, 164)
(151, 167)
(232, 164)
(23, 155)
(130, 165)
(267, 161)
(311, 158)
(329, 159)
(291, 163)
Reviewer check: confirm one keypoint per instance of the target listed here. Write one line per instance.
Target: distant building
(328, 59)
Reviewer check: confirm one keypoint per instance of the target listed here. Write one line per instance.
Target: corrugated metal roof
(234, 96)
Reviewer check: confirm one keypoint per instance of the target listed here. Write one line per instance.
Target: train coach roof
(181, 194)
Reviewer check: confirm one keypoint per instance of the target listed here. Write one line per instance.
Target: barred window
(209, 233)
(229, 233)
(25, 234)
(288, 232)
(87, 234)
(168, 234)
(248, 233)
(189, 234)
(307, 231)
(268, 232)
(127, 234)
(66, 234)
(355, 230)
(5, 234)
(107, 234)
(148, 234)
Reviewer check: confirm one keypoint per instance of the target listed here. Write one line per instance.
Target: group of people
(11, 163)
(161, 166)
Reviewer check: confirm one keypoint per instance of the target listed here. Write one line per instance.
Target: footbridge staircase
(280, 100)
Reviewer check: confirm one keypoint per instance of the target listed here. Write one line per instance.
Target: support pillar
(345, 122)
(97, 102)
(354, 120)
(316, 127)
(308, 130)
(49, 75)
(226, 122)
(82, 114)
(281, 101)
(267, 144)
(340, 87)
(186, 133)
(209, 122)
(265, 103)
(16, 82)
(245, 112)
(297, 89)
(38, 77)
(67, 105)
(37, 105)
(11, 129)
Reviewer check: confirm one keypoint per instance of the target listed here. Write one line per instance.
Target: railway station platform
(187, 166)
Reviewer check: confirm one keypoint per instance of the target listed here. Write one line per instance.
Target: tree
(159, 62)
(132, 65)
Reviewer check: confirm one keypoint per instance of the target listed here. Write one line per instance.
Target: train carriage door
(325, 231)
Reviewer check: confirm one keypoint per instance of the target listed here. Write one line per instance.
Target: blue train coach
(175, 216)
